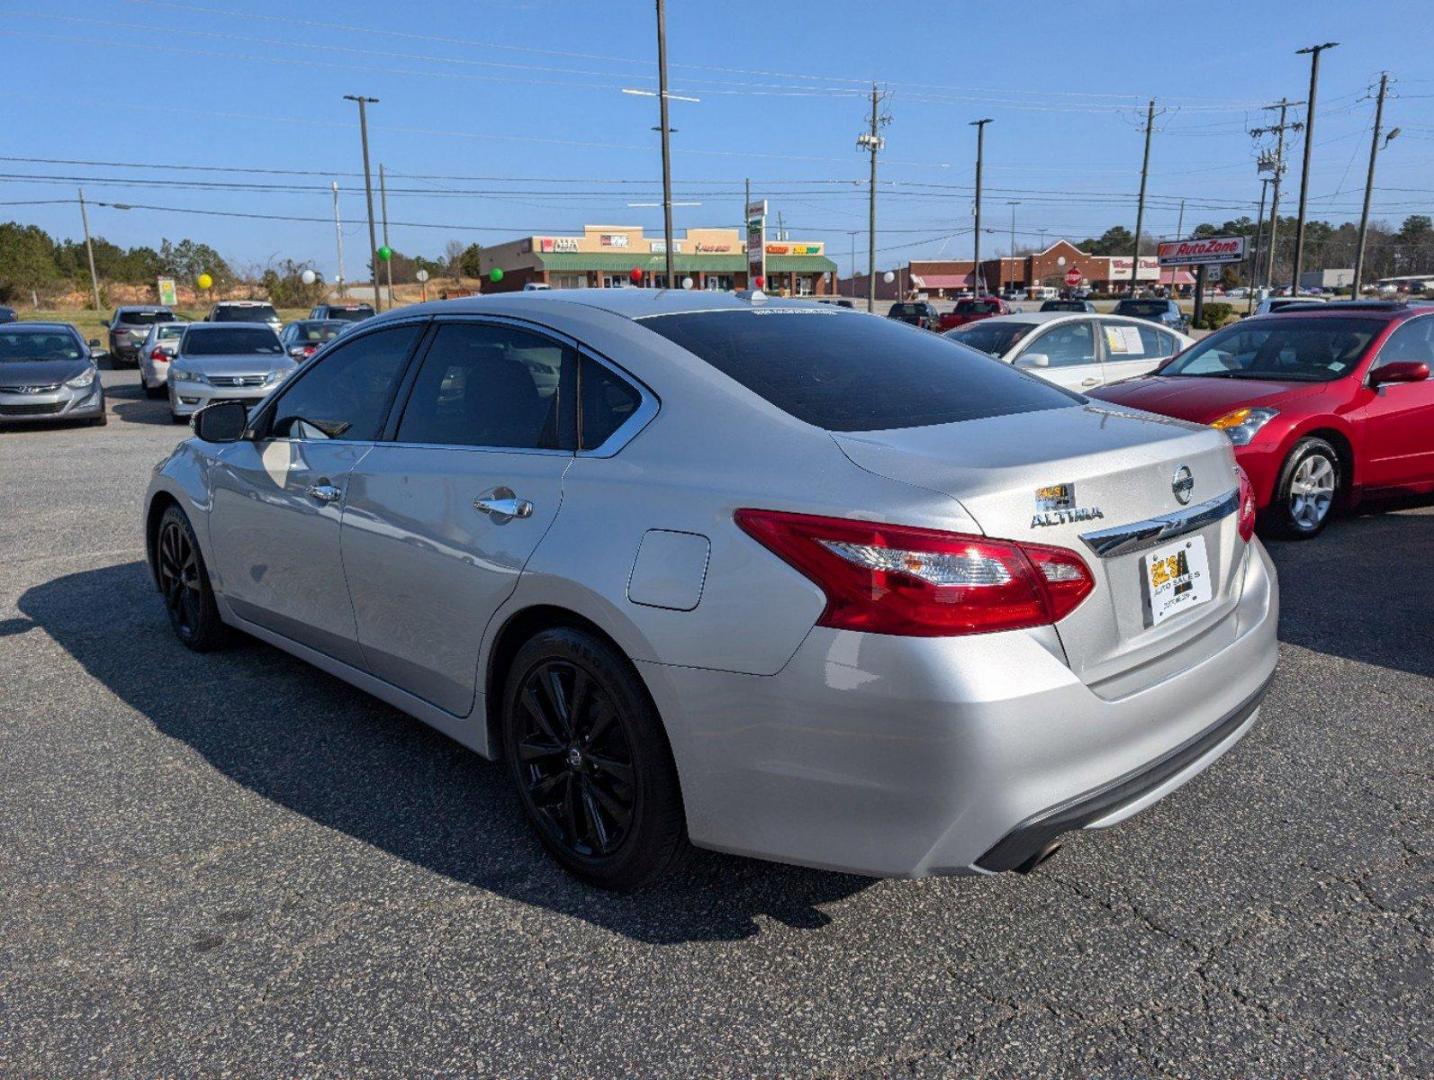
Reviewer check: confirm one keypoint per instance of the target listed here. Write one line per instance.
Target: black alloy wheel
(184, 584)
(591, 761)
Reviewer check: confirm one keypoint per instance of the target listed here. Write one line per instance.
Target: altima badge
(1055, 505)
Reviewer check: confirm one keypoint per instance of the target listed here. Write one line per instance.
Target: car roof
(208, 327)
(142, 308)
(28, 327)
(243, 303)
(1335, 309)
(626, 302)
(1050, 316)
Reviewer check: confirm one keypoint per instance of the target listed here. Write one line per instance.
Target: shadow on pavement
(1363, 590)
(311, 743)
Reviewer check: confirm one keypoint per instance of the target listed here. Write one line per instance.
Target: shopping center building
(605, 256)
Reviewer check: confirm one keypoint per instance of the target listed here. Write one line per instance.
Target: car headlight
(1242, 424)
(183, 375)
(83, 381)
(274, 377)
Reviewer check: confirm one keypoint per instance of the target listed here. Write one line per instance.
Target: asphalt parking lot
(234, 864)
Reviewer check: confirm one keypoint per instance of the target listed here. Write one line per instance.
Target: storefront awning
(577, 261)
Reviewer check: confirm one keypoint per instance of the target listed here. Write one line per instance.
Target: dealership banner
(1209, 250)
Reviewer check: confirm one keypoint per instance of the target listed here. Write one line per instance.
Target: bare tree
(453, 257)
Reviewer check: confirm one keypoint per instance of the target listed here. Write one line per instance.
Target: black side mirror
(222, 422)
(94, 343)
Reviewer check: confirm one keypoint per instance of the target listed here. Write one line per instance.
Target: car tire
(1307, 491)
(590, 759)
(183, 582)
(101, 420)
(175, 418)
(154, 393)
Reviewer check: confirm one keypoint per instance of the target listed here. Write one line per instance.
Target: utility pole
(1140, 206)
(666, 150)
(1259, 239)
(383, 206)
(89, 250)
(363, 103)
(1276, 167)
(1013, 203)
(871, 141)
(978, 287)
(1313, 51)
(1179, 235)
(1369, 183)
(339, 238)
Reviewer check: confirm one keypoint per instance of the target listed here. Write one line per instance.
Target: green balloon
(496, 274)
(385, 253)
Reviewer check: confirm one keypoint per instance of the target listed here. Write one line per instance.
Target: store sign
(659, 247)
(756, 241)
(557, 243)
(168, 296)
(1211, 250)
(711, 249)
(1120, 268)
(616, 240)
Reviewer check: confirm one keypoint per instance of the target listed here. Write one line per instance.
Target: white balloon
(687, 283)
(888, 277)
(308, 277)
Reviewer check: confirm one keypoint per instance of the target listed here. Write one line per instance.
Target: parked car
(129, 327)
(304, 337)
(1272, 304)
(1165, 312)
(914, 621)
(1074, 350)
(155, 354)
(973, 310)
(342, 312)
(225, 362)
(915, 313)
(536, 286)
(250, 311)
(1068, 305)
(47, 372)
(1325, 405)
(7, 314)
(836, 301)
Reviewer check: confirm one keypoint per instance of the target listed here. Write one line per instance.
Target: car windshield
(976, 307)
(233, 341)
(256, 313)
(30, 345)
(145, 318)
(991, 336)
(1283, 349)
(350, 314)
(847, 372)
(1142, 308)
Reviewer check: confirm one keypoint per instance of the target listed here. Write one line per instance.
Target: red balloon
(636, 275)
(759, 281)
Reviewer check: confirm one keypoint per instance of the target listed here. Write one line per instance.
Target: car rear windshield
(232, 341)
(168, 333)
(30, 345)
(991, 336)
(908, 309)
(976, 307)
(1288, 348)
(350, 314)
(1142, 308)
(321, 330)
(849, 372)
(257, 313)
(145, 318)
(1063, 305)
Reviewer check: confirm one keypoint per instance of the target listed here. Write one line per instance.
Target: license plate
(1176, 579)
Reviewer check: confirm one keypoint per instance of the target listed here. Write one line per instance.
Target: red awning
(1181, 277)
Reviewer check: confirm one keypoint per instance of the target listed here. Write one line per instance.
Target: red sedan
(973, 309)
(1325, 406)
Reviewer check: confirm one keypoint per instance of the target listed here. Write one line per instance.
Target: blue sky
(499, 119)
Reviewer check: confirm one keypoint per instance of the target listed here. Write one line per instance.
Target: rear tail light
(159, 356)
(1247, 504)
(897, 579)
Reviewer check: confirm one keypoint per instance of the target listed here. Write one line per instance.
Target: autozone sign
(1212, 249)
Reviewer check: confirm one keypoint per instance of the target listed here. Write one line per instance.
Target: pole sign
(1209, 251)
(168, 296)
(756, 241)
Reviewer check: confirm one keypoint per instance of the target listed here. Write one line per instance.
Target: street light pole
(89, 250)
(363, 102)
(978, 286)
(1369, 184)
(871, 141)
(1140, 206)
(339, 238)
(666, 150)
(1259, 239)
(1313, 51)
(1013, 203)
(383, 206)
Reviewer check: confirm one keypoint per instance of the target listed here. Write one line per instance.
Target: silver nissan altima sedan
(757, 575)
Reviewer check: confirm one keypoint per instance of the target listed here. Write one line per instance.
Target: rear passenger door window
(493, 385)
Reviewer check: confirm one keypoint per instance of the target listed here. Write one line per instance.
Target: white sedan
(1077, 350)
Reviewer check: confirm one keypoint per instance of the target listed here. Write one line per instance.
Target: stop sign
(1073, 276)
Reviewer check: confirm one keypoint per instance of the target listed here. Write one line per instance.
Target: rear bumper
(906, 757)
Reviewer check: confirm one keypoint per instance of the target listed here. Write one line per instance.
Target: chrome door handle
(324, 493)
(503, 509)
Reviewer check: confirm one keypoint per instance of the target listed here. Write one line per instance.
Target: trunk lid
(1121, 469)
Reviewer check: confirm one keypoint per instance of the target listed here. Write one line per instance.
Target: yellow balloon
(205, 281)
